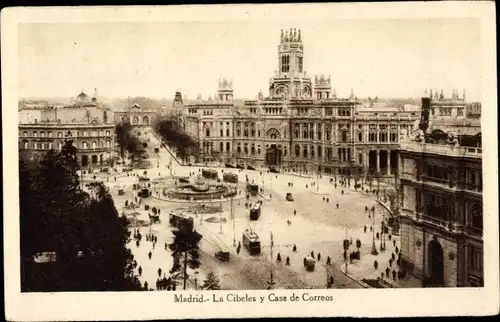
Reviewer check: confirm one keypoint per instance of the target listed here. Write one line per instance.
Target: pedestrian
(337, 205)
(364, 229)
(390, 262)
(295, 212)
(278, 258)
(328, 260)
(304, 261)
(375, 264)
(394, 242)
(146, 285)
(327, 200)
(399, 275)
(331, 280)
(165, 245)
(287, 261)
(140, 270)
(137, 243)
(377, 235)
(366, 208)
(294, 248)
(342, 192)
(390, 236)
(387, 271)
(154, 245)
(312, 254)
(238, 249)
(319, 257)
(371, 228)
(393, 256)
(159, 272)
(394, 274)
(150, 254)
(397, 250)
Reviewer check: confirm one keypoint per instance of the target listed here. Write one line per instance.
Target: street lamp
(374, 247)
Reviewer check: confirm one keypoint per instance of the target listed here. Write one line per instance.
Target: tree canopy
(84, 231)
(173, 134)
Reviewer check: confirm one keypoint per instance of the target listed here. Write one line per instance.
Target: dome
(82, 96)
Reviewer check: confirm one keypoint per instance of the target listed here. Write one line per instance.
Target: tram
(251, 242)
(255, 210)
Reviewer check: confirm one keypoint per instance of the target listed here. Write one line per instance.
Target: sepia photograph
(202, 159)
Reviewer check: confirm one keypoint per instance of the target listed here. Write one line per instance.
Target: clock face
(285, 47)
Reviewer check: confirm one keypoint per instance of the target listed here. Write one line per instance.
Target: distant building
(300, 125)
(441, 185)
(137, 116)
(85, 122)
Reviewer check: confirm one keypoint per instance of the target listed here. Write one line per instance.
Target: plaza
(312, 222)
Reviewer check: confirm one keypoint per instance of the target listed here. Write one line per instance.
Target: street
(317, 226)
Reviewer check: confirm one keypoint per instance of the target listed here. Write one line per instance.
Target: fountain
(199, 190)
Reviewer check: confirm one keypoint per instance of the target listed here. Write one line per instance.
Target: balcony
(457, 151)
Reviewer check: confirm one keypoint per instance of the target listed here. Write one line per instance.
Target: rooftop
(440, 149)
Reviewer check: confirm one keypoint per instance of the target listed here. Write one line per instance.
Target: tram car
(255, 210)
(210, 174)
(309, 263)
(181, 221)
(253, 189)
(230, 177)
(251, 242)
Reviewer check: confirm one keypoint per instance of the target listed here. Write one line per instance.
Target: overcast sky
(388, 58)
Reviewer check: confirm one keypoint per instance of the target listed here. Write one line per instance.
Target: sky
(385, 58)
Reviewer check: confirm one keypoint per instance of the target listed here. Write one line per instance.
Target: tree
(211, 282)
(185, 253)
(84, 231)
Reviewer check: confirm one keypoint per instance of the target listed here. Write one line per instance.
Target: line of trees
(127, 140)
(84, 231)
(173, 134)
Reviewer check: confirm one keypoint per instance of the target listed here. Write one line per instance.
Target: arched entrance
(435, 263)
(372, 160)
(273, 155)
(145, 120)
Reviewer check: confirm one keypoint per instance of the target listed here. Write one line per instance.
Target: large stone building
(441, 185)
(136, 115)
(301, 124)
(84, 121)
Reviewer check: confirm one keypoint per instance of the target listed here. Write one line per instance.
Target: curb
(363, 284)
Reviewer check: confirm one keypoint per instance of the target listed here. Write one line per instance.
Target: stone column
(378, 158)
(389, 169)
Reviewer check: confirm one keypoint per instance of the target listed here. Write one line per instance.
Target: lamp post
(271, 278)
(374, 247)
(234, 227)
(220, 218)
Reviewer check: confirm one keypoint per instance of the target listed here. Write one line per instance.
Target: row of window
(469, 212)
(49, 145)
(60, 134)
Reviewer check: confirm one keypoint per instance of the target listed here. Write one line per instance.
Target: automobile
(274, 170)
(222, 256)
(121, 192)
(289, 197)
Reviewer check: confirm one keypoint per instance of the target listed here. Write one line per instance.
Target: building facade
(136, 115)
(301, 124)
(441, 216)
(85, 122)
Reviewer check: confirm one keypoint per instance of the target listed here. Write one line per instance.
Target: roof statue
(316, 79)
(291, 34)
(463, 97)
(282, 36)
(286, 36)
(294, 34)
(329, 80)
(430, 94)
(299, 36)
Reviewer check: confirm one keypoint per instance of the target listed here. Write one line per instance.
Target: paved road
(318, 226)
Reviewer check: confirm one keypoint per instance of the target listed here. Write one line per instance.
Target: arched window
(253, 150)
(228, 147)
(221, 147)
(304, 151)
(320, 150)
(35, 146)
(26, 145)
(108, 144)
(25, 134)
(35, 134)
(94, 144)
(59, 134)
(297, 151)
(59, 146)
(285, 63)
(85, 145)
(145, 120)
(42, 134)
